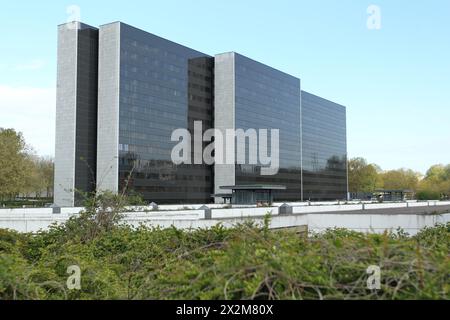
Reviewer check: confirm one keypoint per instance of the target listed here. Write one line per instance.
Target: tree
(436, 184)
(33, 182)
(46, 168)
(428, 190)
(438, 173)
(14, 166)
(21, 170)
(363, 177)
(40, 178)
(402, 179)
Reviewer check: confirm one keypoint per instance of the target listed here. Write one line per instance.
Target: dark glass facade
(86, 112)
(163, 87)
(122, 92)
(270, 99)
(324, 141)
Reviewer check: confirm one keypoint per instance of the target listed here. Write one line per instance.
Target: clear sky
(395, 81)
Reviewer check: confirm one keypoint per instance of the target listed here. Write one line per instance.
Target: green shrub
(244, 262)
(428, 195)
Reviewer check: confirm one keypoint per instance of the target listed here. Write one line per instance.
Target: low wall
(375, 223)
(314, 209)
(242, 212)
(317, 217)
(276, 222)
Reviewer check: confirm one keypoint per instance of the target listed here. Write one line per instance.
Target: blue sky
(394, 81)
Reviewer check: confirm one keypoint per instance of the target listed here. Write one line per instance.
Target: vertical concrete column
(224, 116)
(108, 108)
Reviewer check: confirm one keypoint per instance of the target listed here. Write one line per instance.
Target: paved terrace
(425, 210)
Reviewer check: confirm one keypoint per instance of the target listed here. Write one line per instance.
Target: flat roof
(254, 187)
(394, 190)
(222, 195)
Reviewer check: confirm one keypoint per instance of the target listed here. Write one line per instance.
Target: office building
(122, 92)
(76, 112)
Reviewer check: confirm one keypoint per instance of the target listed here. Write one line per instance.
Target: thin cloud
(30, 66)
(31, 111)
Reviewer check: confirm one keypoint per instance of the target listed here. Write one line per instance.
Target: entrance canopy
(252, 194)
(395, 195)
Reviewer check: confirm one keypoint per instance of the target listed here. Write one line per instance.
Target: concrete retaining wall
(242, 212)
(317, 217)
(376, 223)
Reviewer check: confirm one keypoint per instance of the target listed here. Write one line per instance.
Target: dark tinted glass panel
(270, 99)
(164, 86)
(86, 114)
(324, 149)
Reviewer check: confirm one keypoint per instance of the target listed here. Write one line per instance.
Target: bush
(245, 262)
(37, 203)
(428, 195)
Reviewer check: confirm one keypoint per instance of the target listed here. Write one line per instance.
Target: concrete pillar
(207, 211)
(285, 209)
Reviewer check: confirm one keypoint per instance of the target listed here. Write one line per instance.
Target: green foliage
(362, 177)
(26, 203)
(428, 194)
(102, 214)
(245, 262)
(40, 180)
(438, 173)
(436, 184)
(135, 199)
(401, 179)
(13, 163)
(21, 171)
